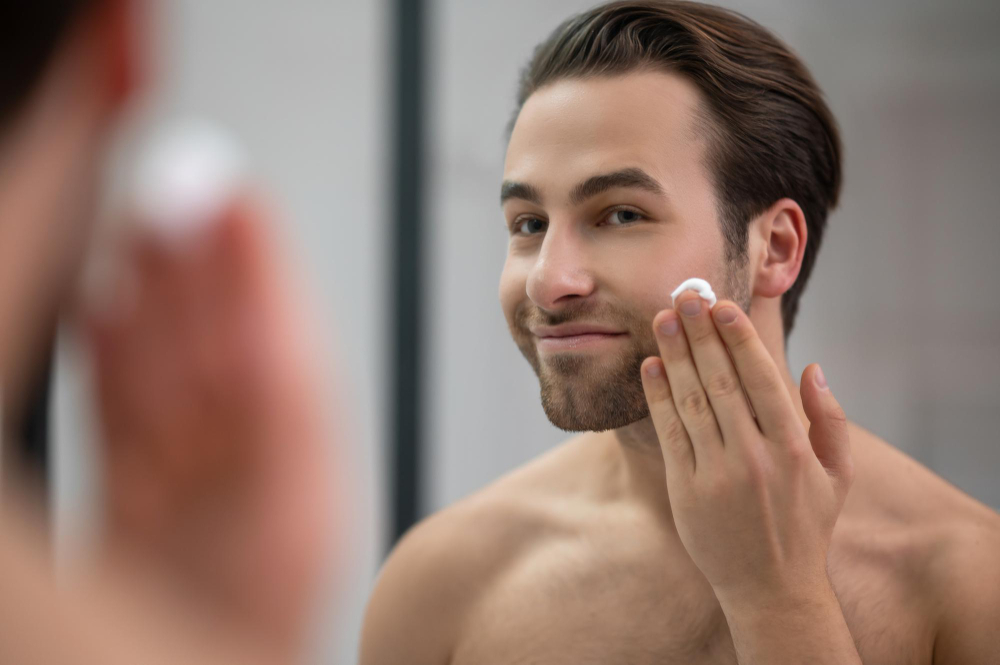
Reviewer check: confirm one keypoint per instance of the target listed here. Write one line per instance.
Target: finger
(714, 366)
(766, 390)
(251, 251)
(828, 431)
(688, 394)
(678, 455)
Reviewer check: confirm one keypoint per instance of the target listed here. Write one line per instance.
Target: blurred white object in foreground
(186, 176)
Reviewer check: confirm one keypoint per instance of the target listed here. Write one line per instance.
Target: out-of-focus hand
(217, 431)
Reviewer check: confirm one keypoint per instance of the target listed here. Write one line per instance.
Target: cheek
(657, 268)
(513, 282)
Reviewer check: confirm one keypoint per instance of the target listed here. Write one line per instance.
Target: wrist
(793, 601)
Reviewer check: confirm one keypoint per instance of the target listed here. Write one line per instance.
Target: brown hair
(772, 135)
(29, 34)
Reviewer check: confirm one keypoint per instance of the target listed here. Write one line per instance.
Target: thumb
(828, 428)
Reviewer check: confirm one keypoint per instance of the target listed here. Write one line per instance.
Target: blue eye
(530, 226)
(623, 216)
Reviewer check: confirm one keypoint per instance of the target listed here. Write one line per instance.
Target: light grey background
(901, 309)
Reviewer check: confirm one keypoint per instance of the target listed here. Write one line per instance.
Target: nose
(561, 273)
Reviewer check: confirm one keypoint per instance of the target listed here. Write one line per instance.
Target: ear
(779, 236)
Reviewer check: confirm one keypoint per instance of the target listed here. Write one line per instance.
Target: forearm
(810, 630)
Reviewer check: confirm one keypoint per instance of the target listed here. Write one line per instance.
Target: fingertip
(654, 380)
(819, 378)
(666, 323)
(652, 368)
(726, 312)
(813, 380)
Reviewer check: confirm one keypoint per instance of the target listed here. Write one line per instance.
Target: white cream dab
(700, 286)
(186, 176)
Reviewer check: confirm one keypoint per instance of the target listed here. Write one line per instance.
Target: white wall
(301, 82)
(916, 358)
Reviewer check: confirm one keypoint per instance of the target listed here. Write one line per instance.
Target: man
(215, 469)
(712, 510)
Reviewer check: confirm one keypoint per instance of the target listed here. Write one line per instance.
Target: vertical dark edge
(32, 433)
(406, 373)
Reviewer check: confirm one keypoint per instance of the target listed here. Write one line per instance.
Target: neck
(644, 474)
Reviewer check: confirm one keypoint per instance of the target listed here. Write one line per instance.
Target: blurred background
(379, 130)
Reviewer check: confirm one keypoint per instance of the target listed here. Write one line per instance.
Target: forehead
(573, 128)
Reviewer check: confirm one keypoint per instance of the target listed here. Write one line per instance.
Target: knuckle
(695, 404)
(797, 453)
(837, 415)
(722, 384)
(759, 379)
(702, 334)
(741, 339)
(673, 429)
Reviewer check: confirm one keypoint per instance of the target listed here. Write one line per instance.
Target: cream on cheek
(699, 286)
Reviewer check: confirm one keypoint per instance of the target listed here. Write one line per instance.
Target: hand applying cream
(212, 392)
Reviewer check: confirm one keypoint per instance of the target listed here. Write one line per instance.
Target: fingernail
(669, 326)
(653, 370)
(820, 379)
(691, 307)
(726, 315)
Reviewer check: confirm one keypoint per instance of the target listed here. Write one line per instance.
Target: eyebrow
(519, 190)
(634, 178)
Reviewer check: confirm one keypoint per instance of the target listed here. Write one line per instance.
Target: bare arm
(969, 627)
(411, 613)
(792, 632)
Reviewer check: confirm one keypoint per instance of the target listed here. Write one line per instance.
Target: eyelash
(621, 208)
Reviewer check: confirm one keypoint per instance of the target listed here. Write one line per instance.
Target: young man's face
(610, 207)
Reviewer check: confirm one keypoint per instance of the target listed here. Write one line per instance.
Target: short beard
(577, 395)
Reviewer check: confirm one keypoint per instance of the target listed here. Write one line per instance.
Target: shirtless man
(655, 142)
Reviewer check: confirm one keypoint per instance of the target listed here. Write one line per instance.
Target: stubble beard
(582, 392)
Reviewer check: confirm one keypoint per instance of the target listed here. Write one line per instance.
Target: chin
(593, 401)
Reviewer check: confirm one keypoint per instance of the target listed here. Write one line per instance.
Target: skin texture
(217, 427)
(810, 529)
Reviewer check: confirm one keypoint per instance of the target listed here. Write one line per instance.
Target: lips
(574, 336)
(573, 330)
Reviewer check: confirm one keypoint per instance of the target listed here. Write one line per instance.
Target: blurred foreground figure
(217, 506)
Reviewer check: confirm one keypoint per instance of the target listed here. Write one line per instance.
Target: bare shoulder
(965, 578)
(940, 542)
(445, 564)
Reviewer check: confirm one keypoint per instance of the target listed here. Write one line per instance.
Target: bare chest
(569, 607)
